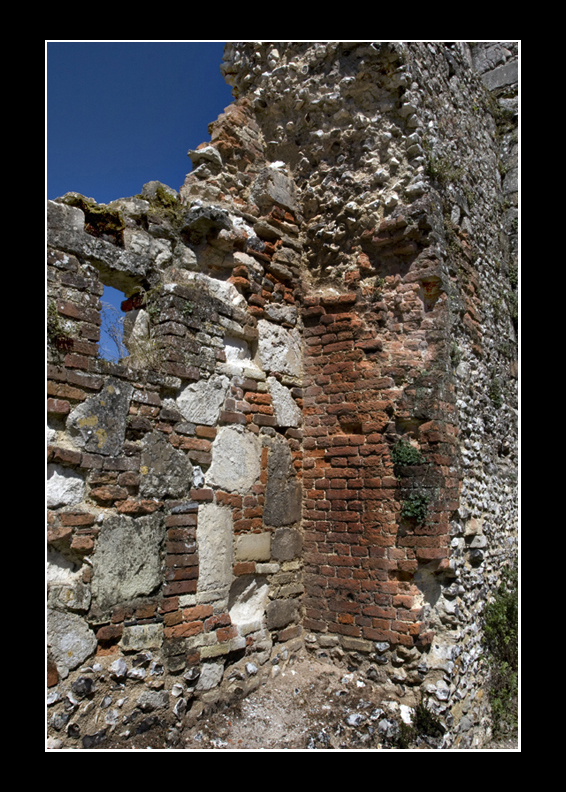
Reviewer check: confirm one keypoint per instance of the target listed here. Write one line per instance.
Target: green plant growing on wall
(404, 453)
(166, 205)
(415, 507)
(501, 634)
(101, 220)
(377, 293)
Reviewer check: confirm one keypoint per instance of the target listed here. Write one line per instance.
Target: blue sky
(123, 113)
(120, 114)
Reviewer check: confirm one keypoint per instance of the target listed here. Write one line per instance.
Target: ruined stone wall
(313, 438)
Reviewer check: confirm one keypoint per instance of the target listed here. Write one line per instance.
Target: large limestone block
(280, 613)
(236, 460)
(126, 562)
(283, 496)
(287, 544)
(287, 411)
(66, 588)
(201, 402)
(215, 545)
(64, 487)
(139, 637)
(253, 547)
(99, 423)
(279, 349)
(70, 640)
(274, 186)
(163, 469)
(248, 601)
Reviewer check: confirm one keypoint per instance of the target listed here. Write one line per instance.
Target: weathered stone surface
(287, 544)
(253, 547)
(204, 222)
(99, 423)
(247, 602)
(502, 75)
(201, 402)
(126, 562)
(236, 460)
(279, 349)
(70, 640)
(281, 313)
(66, 232)
(287, 411)
(73, 597)
(274, 186)
(374, 264)
(280, 613)
(215, 550)
(65, 487)
(151, 700)
(210, 676)
(137, 637)
(283, 498)
(164, 471)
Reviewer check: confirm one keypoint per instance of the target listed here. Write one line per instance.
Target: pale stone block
(253, 547)
(215, 548)
(69, 639)
(236, 460)
(126, 563)
(287, 411)
(64, 487)
(142, 636)
(279, 349)
(201, 402)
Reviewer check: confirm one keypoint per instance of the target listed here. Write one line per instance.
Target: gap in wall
(112, 328)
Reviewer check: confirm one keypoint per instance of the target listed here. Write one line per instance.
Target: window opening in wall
(112, 326)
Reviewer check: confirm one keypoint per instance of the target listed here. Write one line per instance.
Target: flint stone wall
(335, 280)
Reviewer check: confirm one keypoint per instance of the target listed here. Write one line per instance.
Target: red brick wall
(360, 555)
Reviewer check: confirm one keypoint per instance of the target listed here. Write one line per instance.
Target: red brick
(82, 544)
(206, 431)
(264, 420)
(169, 604)
(180, 587)
(202, 495)
(197, 612)
(226, 633)
(108, 494)
(58, 406)
(181, 573)
(214, 622)
(229, 417)
(244, 568)
(110, 632)
(180, 560)
(138, 507)
(63, 456)
(52, 674)
(345, 629)
(191, 443)
(184, 630)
